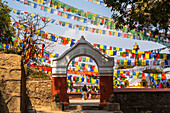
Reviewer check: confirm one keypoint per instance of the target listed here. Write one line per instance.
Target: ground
(40, 109)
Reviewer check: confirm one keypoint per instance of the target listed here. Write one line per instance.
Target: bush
(120, 66)
(33, 73)
(155, 71)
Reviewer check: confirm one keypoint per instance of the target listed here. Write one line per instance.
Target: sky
(76, 34)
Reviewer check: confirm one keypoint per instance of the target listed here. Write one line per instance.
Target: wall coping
(126, 90)
(79, 93)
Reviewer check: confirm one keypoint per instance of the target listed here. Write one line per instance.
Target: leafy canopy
(5, 29)
(141, 14)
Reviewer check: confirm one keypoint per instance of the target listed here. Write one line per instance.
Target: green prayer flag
(95, 23)
(121, 62)
(139, 62)
(63, 23)
(0, 45)
(84, 59)
(62, 13)
(45, 8)
(138, 77)
(29, 3)
(80, 27)
(161, 56)
(89, 16)
(97, 31)
(78, 19)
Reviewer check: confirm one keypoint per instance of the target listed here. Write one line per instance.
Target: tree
(141, 14)
(28, 35)
(6, 31)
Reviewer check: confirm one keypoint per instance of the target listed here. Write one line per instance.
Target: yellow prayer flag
(87, 59)
(67, 23)
(38, 1)
(147, 56)
(135, 76)
(41, 1)
(86, 65)
(49, 10)
(53, 54)
(162, 63)
(125, 62)
(97, 24)
(95, 70)
(97, 2)
(14, 10)
(82, 20)
(32, 4)
(117, 49)
(116, 33)
(65, 15)
(32, 15)
(55, 6)
(80, 79)
(37, 32)
(110, 52)
(83, 27)
(133, 51)
(137, 73)
(100, 31)
(50, 56)
(101, 46)
(143, 63)
(121, 71)
(165, 56)
(141, 52)
(131, 36)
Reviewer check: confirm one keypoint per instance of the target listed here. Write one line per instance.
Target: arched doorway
(82, 71)
(82, 48)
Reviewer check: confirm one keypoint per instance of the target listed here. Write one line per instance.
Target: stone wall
(138, 101)
(39, 93)
(10, 83)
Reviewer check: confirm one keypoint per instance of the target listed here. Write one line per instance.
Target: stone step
(113, 107)
(83, 107)
(90, 111)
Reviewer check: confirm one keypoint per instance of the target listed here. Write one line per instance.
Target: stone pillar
(59, 86)
(106, 85)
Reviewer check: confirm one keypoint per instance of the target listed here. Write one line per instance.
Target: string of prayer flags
(144, 62)
(99, 2)
(112, 51)
(137, 35)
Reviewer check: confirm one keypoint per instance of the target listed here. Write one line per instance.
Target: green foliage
(7, 51)
(33, 73)
(156, 71)
(5, 28)
(120, 66)
(45, 65)
(141, 13)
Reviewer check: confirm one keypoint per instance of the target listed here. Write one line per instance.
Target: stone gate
(82, 48)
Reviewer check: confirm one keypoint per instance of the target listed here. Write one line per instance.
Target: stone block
(57, 106)
(112, 107)
(79, 107)
(117, 112)
(14, 104)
